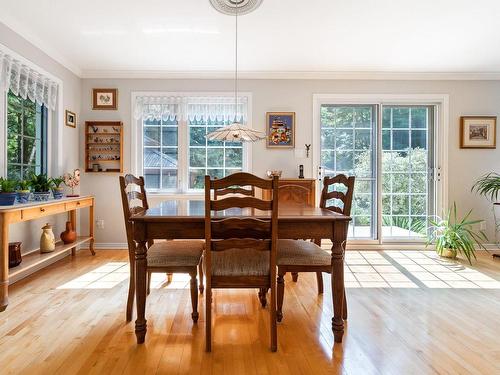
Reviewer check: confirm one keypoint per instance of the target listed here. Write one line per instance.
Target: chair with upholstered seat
(164, 256)
(305, 256)
(240, 249)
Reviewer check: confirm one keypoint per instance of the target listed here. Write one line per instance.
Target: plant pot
(447, 253)
(23, 196)
(41, 196)
(7, 199)
(69, 235)
(58, 192)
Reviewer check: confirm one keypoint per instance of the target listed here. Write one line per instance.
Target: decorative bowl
(271, 174)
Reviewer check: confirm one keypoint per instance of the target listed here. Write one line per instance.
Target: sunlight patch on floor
(105, 277)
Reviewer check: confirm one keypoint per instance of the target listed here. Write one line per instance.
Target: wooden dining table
(185, 219)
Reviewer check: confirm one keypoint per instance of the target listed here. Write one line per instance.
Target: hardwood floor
(70, 319)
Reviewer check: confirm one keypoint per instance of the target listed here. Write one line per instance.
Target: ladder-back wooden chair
(165, 256)
(240, 250)
(304, 256)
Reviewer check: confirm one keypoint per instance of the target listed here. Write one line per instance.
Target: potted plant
(489, 187)
(452, 235)
(57, 189)
(23, 191)
(8, 191)
(41, 186)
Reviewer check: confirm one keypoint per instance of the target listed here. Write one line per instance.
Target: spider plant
(488, 186)
(457, 235)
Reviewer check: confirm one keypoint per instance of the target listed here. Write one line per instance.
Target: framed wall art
(478, 131)
(280, 129)
(105, 99)
(70, 119)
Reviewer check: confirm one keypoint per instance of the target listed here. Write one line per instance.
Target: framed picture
(478, 132)
(70, 119)
(280, 129)
(104, 98)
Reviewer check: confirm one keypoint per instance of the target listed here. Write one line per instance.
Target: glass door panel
(348, 146)
(407, 159)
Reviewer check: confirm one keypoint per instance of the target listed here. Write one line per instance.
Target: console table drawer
(36, 212)
(70, 206)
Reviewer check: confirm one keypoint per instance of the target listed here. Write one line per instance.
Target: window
(176, 154)
(26, 137)
(391, 149)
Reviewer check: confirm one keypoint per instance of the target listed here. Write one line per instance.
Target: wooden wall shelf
(99, 139)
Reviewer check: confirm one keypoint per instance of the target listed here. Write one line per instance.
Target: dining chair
(307, 256)
(240, 249)
(165, 256)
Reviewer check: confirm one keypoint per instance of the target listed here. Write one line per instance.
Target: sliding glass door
(390, 150)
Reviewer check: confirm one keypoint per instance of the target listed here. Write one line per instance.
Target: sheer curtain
(220, 108)
(27, 82)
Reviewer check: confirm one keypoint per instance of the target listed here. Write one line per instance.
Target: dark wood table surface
(185, 219)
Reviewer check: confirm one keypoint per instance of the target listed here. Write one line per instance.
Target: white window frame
(136, 142)
(441, 127)
(55, 121)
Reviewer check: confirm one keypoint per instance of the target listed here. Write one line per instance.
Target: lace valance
(220, 108)
(27, 82)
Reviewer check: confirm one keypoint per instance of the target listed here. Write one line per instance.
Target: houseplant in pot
(57, 189)
(23, 191)
(8, 191)
(452, 235)
(489, 187)
(41, 187)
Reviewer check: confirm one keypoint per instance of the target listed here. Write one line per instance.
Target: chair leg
(262, 296)
(272, 316)
(208, 319)
(194, 296)
(281, 295)
(200, 272)
(295, 276)
(169, 277)
(131, 292)
(344, 311)
(148, 290)
(319, 280)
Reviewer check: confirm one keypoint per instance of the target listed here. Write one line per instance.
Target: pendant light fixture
(235, 132)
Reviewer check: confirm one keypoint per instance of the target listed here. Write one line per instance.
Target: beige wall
(466, 98)
(29, 233)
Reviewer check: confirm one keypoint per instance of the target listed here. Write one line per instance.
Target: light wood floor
(69, 319)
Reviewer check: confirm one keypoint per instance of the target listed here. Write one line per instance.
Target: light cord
(236, 70)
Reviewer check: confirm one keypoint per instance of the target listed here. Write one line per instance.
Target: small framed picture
(70, 119)
(280, 129)
(478, 132)
(104, 99)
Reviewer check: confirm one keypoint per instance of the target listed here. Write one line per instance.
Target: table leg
(4, 263)
(72, 219)
(140, 290)
(91, 228)
(339, 237)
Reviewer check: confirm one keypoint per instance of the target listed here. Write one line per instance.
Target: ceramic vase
(47, 240)
(69, 235)
(58, 193)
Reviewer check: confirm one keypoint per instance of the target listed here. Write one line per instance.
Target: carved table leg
(337, 278)
(4, 263)
(140, 290)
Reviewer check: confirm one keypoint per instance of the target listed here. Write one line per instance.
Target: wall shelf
(93, 142)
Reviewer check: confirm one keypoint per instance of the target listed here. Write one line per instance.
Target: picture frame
(106, 99)
(70, 118)
(280, 129)
(478, 132)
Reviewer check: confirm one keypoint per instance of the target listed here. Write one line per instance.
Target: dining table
(185, 219)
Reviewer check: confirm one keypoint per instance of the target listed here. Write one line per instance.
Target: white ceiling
(95, 37)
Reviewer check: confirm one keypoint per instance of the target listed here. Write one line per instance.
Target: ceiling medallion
(229, 6)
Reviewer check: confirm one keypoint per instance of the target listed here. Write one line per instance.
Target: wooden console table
(31, 211)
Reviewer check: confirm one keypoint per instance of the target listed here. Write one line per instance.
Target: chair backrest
(133, 192)
(339, 194)
(234, 190)
(244, 231)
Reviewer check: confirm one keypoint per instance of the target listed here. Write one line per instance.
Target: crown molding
(320, 75)
(43, 46)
